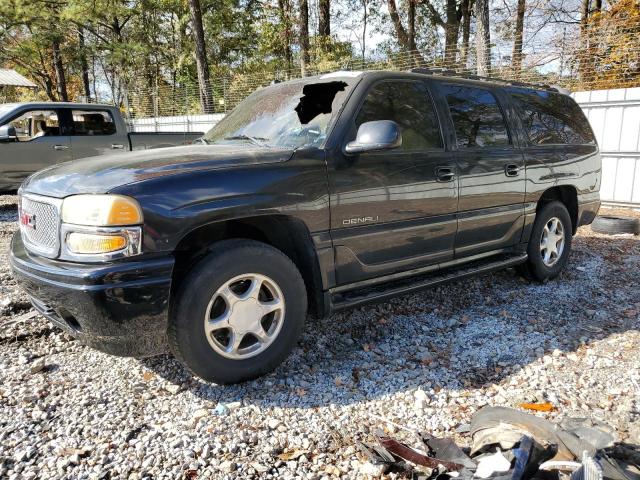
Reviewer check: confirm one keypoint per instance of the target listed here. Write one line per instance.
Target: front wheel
(239, 312)
(550, 242)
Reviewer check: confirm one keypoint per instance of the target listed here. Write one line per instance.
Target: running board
(359, 296)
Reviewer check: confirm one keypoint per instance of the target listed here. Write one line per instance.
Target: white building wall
(615, 118)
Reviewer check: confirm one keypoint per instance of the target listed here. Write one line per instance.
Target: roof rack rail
(452, 73)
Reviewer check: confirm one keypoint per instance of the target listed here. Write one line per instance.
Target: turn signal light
(89, 243)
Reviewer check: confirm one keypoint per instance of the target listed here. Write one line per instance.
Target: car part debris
(562, 465)
(589, 469)
(446, 449)
(506, 426)
(405, 452)
(597, 433)
(490, 464)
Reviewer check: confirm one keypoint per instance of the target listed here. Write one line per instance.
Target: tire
(238, 265)
(616, 225)
(538, 266)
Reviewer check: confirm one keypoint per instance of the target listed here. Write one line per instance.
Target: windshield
(293, 114)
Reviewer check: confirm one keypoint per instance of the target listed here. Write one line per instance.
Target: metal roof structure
(11, 78)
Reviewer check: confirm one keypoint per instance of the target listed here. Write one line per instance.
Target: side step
(359, 296)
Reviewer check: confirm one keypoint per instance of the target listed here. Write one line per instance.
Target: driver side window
(409, 105)
(35, 124)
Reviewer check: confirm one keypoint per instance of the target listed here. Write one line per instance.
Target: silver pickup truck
(37, 135)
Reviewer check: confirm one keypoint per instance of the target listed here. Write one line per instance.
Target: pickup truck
(36, 135)
(311, 196)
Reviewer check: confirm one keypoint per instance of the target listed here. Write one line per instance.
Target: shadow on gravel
(462, 335)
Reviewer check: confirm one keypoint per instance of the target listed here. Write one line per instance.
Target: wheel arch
(568, 195)
(287, 234)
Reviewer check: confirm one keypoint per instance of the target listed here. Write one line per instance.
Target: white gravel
(426, 361)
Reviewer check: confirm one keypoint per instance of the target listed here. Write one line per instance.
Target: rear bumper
(588, 207)
(120, 308)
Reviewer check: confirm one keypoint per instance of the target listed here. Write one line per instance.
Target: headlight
(100, 227)
(101, 210)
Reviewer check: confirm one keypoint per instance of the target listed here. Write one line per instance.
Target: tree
(516, 56)
(466, 7)
(405, 36)
(324, 18)
(206, 100)
(483, 38)
(303, 34)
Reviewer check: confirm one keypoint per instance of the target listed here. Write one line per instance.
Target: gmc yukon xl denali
(37, 135)
(311, 196)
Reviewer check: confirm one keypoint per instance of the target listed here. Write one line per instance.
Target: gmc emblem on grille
(28, 220)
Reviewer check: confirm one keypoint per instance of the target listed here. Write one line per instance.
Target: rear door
(490, 168)
(94, 132)
(41, 143)
(393, 210)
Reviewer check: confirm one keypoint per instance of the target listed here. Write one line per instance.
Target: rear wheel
(550, 242)
(239, 312)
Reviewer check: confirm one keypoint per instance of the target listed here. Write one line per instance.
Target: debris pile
(508, 444)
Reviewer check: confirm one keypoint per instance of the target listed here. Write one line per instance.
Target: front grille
(40, 224)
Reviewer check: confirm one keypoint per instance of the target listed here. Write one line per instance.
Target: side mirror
(373, 136)
(8, 133)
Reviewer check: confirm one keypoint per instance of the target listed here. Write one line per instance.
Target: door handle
(511, 170)
(445, 174)
(117, 146)
(60, 147)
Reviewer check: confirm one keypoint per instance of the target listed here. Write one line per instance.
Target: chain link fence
(603, 54)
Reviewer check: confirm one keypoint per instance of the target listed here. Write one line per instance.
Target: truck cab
(34, 136)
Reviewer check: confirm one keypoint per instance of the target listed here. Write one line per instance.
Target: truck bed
(149, 140)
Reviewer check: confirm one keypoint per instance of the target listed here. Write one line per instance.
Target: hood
(104, 173)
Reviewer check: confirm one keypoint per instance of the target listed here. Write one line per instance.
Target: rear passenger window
(551, 118)
(476, 116)
(93, 122)
(409, 105)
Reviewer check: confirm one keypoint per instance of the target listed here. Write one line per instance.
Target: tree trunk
(84, 66)
(304, 37)
(583, 62)
(483, 38)
(516, 56)
(451, 28)
(284, 6)
(324, 18)
(466, 7)
(206, 100)
(365, 19)
(401, 33)
(59, 69)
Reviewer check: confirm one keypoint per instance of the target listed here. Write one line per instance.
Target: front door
(394, 210)
(40, 143)
(491, 172)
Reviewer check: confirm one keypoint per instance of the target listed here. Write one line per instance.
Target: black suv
(312, 195)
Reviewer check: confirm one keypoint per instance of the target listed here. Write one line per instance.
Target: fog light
(89, 243)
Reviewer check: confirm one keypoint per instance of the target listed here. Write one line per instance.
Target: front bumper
(120, 308)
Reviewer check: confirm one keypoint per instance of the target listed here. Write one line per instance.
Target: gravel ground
(67, 411)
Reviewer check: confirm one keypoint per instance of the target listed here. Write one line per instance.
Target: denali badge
(28, 220)
(356, 221)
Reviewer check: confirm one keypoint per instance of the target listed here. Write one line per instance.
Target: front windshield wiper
(260, 141)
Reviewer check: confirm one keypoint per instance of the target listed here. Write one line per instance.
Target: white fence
(183, 123)
(615, 118)
(613, 114)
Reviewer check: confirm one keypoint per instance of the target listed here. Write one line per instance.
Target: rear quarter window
(551, 118)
